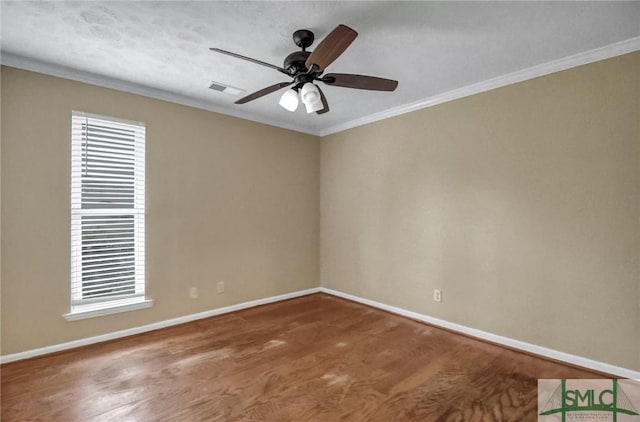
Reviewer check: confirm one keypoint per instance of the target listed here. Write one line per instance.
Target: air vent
(218, 86)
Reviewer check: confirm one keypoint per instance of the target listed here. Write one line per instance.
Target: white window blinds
(107, 211)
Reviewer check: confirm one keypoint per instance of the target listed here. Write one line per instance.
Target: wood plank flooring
(314, 358)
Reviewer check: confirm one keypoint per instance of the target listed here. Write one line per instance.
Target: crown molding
(602, 53)
(25, 63)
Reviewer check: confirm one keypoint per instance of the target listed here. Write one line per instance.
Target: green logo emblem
(612, 400)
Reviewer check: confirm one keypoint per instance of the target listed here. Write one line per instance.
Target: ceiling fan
(306, 67)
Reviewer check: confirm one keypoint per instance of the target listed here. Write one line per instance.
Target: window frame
(80, 307)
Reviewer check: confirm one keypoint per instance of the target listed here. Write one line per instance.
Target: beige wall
(522, 204)
(227, 199)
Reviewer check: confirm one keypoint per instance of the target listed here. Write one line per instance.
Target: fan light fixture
(309, 94)
(311, 97)
(289, 100)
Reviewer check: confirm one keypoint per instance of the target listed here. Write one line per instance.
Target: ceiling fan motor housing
(295, 62)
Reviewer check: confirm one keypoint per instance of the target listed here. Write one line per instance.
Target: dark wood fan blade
(331, 47)
(263, 92)
(348, 80)
(249, 59)
(325, 104)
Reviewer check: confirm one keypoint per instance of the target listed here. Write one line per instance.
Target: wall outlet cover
(437, 295)
(193, 292)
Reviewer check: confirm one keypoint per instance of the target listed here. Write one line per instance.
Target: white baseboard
(154, 326)
(494, 338)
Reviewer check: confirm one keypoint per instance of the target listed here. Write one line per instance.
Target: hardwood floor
(315, 358)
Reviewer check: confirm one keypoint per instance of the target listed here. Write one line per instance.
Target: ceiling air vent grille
(218, 86)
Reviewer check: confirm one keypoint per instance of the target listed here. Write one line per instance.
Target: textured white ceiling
(429, 47)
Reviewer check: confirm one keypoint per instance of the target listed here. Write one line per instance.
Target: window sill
(92, 311)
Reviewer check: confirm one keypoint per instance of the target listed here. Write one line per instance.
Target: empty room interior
(316, 211)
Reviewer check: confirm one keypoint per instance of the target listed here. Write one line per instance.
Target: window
(107, 216)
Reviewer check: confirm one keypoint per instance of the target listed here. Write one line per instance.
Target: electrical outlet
(437, 295)
(193, 292)
(220, 287)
